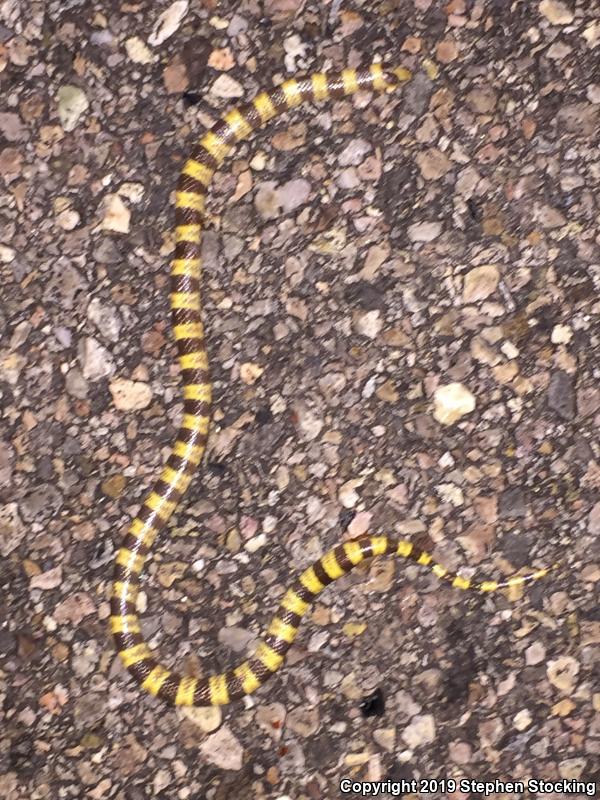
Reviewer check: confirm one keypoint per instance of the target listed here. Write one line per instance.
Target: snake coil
(206, 157)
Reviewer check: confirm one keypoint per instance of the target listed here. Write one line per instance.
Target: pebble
(138, 51)
(207, 719)
(105, 318)
(11, 126)
(385, 738)
(47, 580)
(116, 214)
(424, 231)
(369, 324)
(522, 719)
(223, 749)
(168, 22)
(433, 164)
(72, 103)
(75, 384)
(221, 59)
(421, 730)
(354, 153)
(347, 494)
(43, 502)
(7, 254)
(556, 12)
(512, 504)
(452, 402)
(480, 283)
(271, 719)
(303, 721)
(74, 609)
(236, 639)
(561, 334)
(562, 673)
(130, 395)
(228, 87)
(12, 530)
(293, 194)
(593, 525)
(561, 395)
(535, 654)
(267, 201)
(96, 362)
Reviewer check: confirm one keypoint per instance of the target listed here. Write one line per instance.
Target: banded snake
(187, 452)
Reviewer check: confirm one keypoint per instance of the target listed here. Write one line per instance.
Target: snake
(169, 685)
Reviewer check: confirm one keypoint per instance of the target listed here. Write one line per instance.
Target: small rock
(369, 324)
(171, 572)
(221, 59)
(116, 214)
(175, 76)
(480, 283)
(593, 525)
(460, 752)
(572, 768)
(556, 12)
(11, 126)
(293, 194)
(451, 402)
(561, 334)
(424, 231)
(138, 51)
(562, 673)
(47, 580)
(74, 608)
(421, 730)
(226, 86)
(347, 494)
(385, 738)
(237, 639)
(309, 423)
(72, 103)
(513, 504)
(271, 719)
(114, 485)
(43, 502)
(433, 164)
(105, 318)
(250, 372)
(96, 362)
(267, 200)
(522, 719)
(447, 51)
(535, 654)
(354, 629)
(482, 100)
(75, 384)
(354, 153)
(206, 718)
(561, 395)
(168, 22)
(451, 493)
(130, 395)
(12, 530)
(7, 254)
(303, 721)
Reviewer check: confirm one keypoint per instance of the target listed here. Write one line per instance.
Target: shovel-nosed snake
(206, 157)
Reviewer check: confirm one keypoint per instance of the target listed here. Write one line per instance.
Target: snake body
(205, 158)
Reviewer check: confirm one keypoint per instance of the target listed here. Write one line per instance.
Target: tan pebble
(562, 673)
(221, 59)
(561, 334)
(116, 214)
(207, 719)
(480, 283)
(130, 395)
(451, 402)
(522, 719)
(556, 12)
(447, 51)
(250, 372)
(138, 51)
